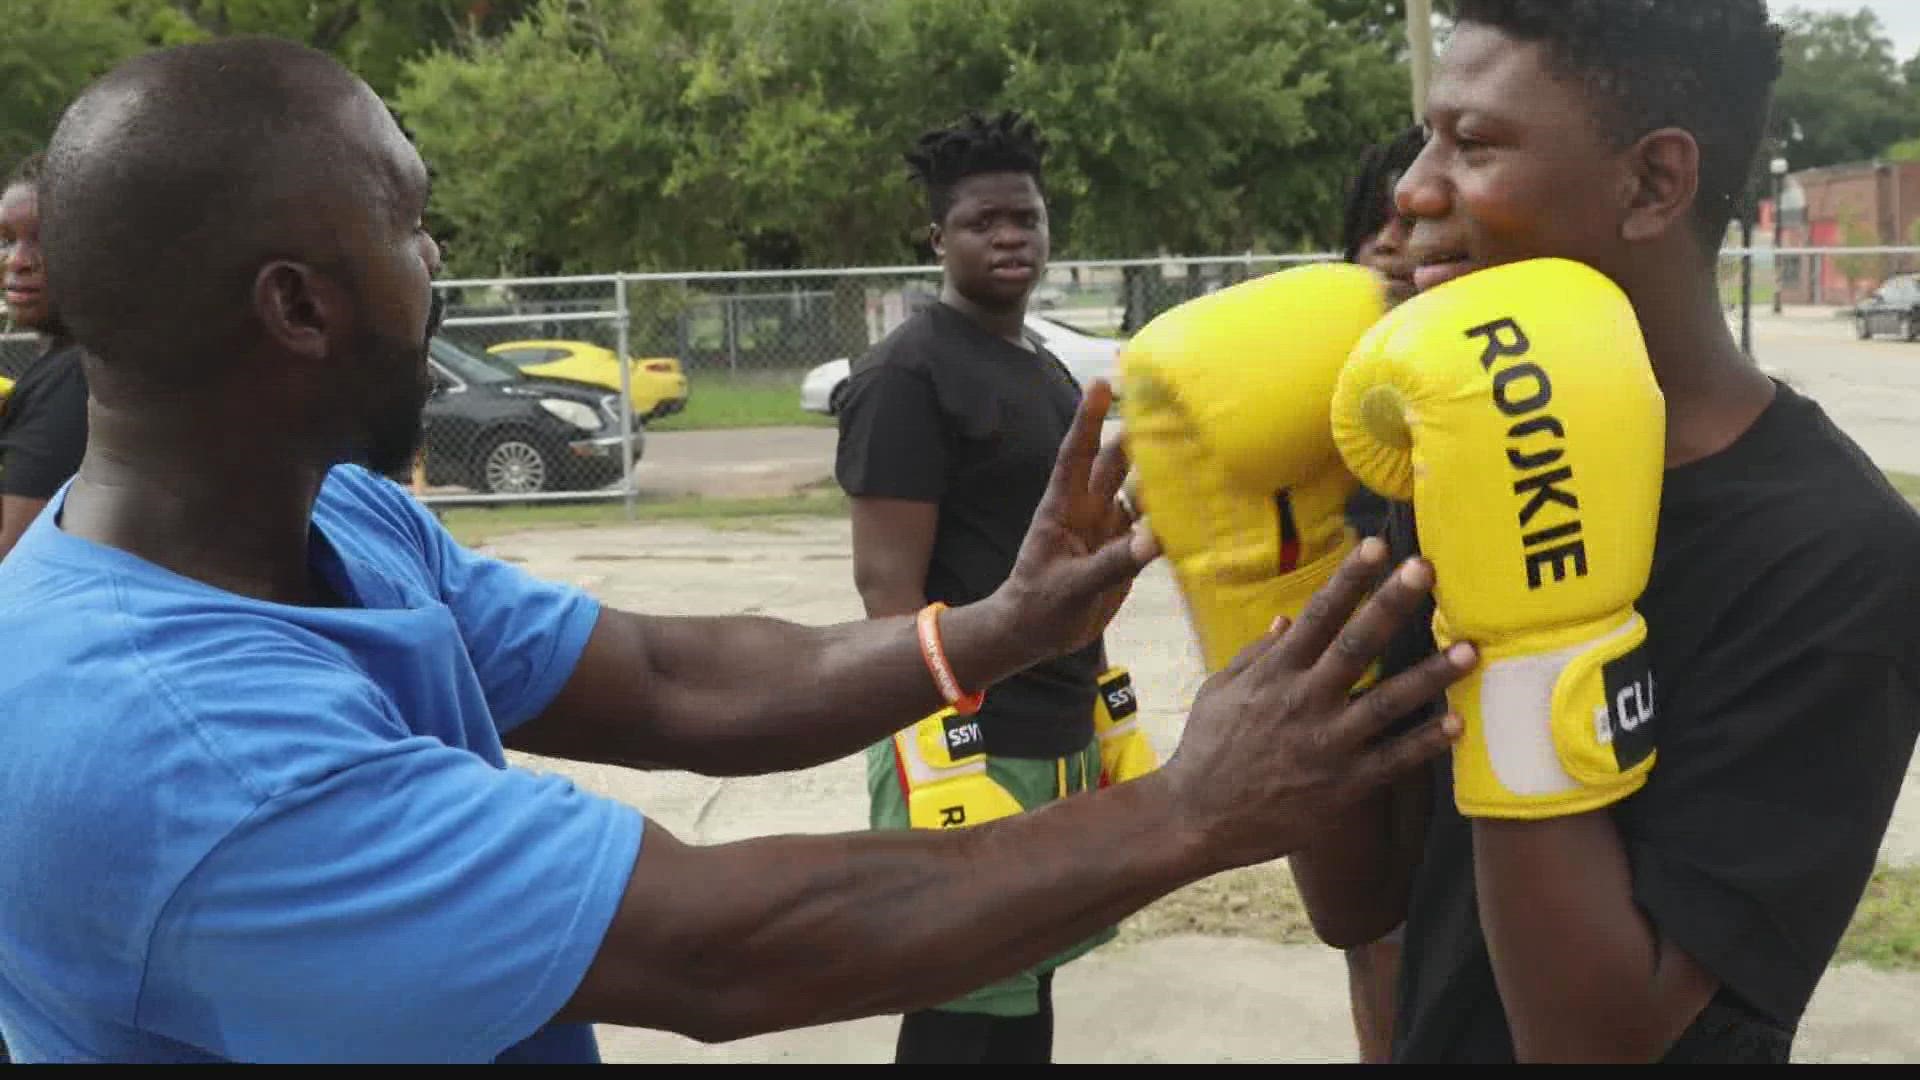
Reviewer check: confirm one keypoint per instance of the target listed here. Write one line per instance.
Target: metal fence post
(1746, 284)
(622, 318)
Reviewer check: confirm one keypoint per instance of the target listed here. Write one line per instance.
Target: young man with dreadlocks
(1695, 715)
(948, 432)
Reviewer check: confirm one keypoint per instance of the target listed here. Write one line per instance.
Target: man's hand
(731, 940)
(1274, 746)
(1083, 549)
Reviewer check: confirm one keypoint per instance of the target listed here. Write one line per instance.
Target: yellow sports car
(659, 386)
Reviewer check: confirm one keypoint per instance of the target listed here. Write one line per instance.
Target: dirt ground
(1222, 972)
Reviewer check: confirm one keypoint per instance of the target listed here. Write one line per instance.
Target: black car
(1894, 308)
(493, 429)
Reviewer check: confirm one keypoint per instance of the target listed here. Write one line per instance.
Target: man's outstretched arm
(732, 940)
(738, 695)
(746, 695)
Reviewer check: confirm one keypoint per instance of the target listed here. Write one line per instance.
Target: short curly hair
(1705, 66)
(940, 159)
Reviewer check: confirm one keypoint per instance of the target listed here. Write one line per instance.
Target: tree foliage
(50, 49)
(1842, 95)
(673, 133)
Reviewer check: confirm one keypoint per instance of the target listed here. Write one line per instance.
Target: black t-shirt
(1784, 622)
(943, 411)
(43, 425)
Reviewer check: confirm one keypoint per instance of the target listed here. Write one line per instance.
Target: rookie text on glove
(1536, 451)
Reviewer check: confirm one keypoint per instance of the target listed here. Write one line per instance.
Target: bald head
(175, 178)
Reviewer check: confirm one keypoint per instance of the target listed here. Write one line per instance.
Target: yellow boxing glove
(1125, 752)
(1227, 427)
(943, 766)
(1517, 408)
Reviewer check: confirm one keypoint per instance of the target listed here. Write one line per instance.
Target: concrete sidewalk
(1197, 1000)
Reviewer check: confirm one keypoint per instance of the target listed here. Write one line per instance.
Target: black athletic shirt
(1784, 623)
(943, 411)
(43, 425)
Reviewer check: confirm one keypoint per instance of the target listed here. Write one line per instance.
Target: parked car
(1087, 356)
(493, 428)
(658, 385)
(1893, 308)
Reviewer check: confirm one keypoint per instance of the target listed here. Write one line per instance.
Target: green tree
(1188, 126)
(601, 134)
(49, 50)
(373, 37)
(1841, 89)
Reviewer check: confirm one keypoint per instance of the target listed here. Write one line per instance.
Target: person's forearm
(1582, 973)
(1356, 873)
(1372, 974)
(740, 696)
(772, 934)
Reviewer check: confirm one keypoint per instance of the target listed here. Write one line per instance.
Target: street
(1870, 388)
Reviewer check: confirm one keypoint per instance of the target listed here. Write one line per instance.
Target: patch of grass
(1885, 932)
(1762, 288)
(753, 399)
(1262, 903)
(475, 525)
(1907, 484)
(1258, 902)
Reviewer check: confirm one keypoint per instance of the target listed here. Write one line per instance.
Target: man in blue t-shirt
(254, 803)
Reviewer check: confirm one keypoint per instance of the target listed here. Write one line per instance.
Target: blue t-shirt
(237, 830)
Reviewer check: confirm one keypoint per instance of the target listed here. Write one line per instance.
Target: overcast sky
(1900, 17)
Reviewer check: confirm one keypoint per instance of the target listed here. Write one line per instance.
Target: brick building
(1865, 204)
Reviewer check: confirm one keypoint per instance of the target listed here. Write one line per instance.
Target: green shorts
(1034, 783)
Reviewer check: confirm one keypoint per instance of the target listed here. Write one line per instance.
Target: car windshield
(472, 367)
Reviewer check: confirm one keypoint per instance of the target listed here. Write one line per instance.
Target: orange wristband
(935, 655)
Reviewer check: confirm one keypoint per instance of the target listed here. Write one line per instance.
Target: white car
(1087, 356)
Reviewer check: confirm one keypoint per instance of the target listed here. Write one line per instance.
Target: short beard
(392, 436)
(392, 433)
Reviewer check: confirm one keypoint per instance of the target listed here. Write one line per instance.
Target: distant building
(1864, 204)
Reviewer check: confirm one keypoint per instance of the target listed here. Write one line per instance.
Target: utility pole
(1420, 46)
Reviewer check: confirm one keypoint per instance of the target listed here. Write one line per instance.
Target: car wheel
(514, 464)
(1860, 328)
(1910, 327)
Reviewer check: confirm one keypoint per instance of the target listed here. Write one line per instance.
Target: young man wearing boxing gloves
(1697, 601)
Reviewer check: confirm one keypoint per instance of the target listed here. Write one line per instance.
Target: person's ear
(937, 240)
(300, 310)
(1663, 178)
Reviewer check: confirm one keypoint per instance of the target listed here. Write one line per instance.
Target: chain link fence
(745, 349)
(534, 404)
